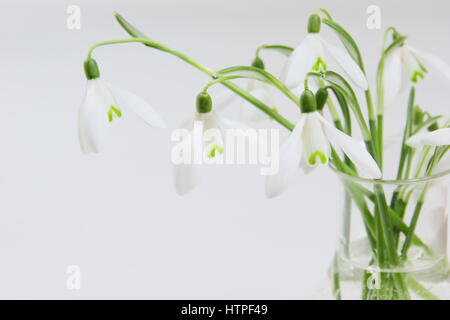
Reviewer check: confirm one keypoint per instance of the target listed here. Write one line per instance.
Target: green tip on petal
(203, 102)
(114, 111)
(91, 69)
(314, 23)
(319, 65)
(215, 148)
(312, 161)
(417, 75)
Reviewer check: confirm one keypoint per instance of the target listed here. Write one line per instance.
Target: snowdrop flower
(312, 55)
(101, 106)
(204, 141)
(406, 65)
(259, 89)
(440, 137)
(309, 145)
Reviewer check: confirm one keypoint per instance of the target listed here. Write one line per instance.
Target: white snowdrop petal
(289, 158)
(432, 60)
(249, 112)
(186, 178)
(392, 77)
(93, 122)
(232, 124)
(347, 64)
(223, 99)
(353, 149)
(138, 106)
(316, 148)
(440, 137)
(301, 61)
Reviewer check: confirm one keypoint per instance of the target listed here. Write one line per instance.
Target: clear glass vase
(392, 240)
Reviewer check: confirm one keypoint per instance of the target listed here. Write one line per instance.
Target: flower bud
(91, 69)
(433, 127)
(418, 115)
(258, 63)
(314, 24)
(308, 102)
(396, 35)
(203, 102)
(321, 98)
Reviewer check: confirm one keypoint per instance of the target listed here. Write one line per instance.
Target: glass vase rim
(430, 178)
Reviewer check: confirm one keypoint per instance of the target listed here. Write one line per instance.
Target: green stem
(158, 46)
(236, 89)
(265, 75)
(406, 134)
(275, 47)
(420, 290)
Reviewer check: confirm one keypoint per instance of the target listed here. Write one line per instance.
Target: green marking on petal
(214, 148)
(417, 75)
(114, 111)
(319, 65)
(317, 154)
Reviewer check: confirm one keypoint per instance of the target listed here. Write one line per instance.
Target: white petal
(223, 99)
(392, 77)
(392, 139)
(301, 61)
(252, 114)
(226, 123)
(186, 175)
(138, 106)
(186, 178)
(410, 65)
(432, 60)
(289, 159)
(440, 137)
(315, 143)
(210, 120)
(353, 149)
(93, 122)
(347, 64)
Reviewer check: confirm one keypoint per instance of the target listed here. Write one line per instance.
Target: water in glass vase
(392, 240)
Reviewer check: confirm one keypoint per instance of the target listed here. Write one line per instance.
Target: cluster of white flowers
(313, 137)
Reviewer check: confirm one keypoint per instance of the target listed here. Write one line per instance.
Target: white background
(116, 214)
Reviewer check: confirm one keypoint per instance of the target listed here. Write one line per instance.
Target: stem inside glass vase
(393, 239)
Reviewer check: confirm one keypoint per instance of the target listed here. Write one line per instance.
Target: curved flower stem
(158, 46)
(223, 79)
(275, 47)
(267, 76)
(324, 11)
(239, 91)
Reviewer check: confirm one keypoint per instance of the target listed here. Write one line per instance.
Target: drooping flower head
(204, 139)
(313, 54)
(405, 66)
(309, 145)
(102, 106)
